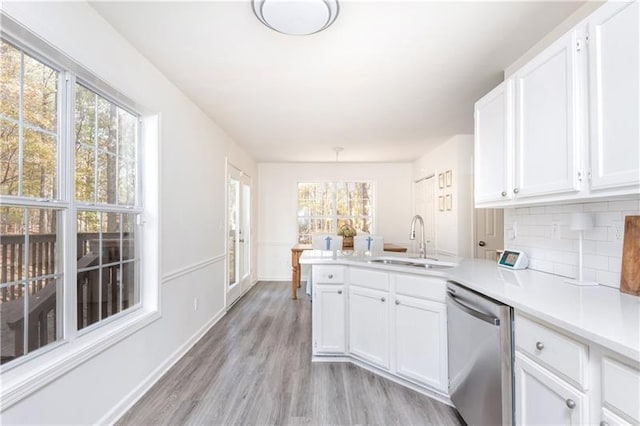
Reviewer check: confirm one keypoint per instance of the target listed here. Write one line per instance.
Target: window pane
(126, 182)
(127, 134)
(110, 237)
(9, 157)
(43, 243)
(110, 291)
(308, 226)
(128, 236)
(130, 288)
(85, 173)
(40, 94)
(88, 297)
(85, 124)
(106, 178)
(107, 125)
(88, 224)
(12, 240)
(12, 325)
(43, 313)
(361, 224)
(40, 163)
(9, 80)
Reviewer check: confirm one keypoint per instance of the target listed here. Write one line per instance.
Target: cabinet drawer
(560, 353)
(328, 274)
(621, 389)
(420, 286)
(369, 278)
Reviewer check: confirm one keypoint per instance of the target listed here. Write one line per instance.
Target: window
(69, 186)
(105, 195)
(326, 206)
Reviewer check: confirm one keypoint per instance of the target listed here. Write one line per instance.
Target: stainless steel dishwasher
(480, 357)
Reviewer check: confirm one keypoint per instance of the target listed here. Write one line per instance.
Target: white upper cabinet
(575, 118)
(493, 144)
(614, 85)
(547, 121)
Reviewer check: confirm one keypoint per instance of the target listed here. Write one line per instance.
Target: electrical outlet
(618, 230)
(195, 304)
(512, 233)
(555, 230)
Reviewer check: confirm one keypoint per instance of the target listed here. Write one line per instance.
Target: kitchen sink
(413, 262)
(393, 262)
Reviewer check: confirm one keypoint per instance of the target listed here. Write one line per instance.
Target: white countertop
(600, 314)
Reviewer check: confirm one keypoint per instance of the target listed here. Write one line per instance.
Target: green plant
(347, 230)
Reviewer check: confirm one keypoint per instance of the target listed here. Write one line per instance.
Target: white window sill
(23, 380)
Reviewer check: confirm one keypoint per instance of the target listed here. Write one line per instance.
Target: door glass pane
(234, 198)
(246, 226)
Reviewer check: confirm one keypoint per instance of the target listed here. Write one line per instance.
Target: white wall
(454, 229)
(602, 246)
(278, 204)
(192, 211)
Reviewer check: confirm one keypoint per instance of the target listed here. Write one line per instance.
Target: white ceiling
(387, 81)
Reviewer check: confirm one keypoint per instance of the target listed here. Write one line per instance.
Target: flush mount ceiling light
(296, 17)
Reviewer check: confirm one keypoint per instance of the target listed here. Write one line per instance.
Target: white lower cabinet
(420, 329)
(542, 398)
(369, 325)
(329, 334)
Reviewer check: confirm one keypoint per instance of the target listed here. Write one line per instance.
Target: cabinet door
(369, 325)
(614, 78)
(607, 418)
(547, 132)
(329, 319)
(493, 144)
(542, 398)
(420, 345)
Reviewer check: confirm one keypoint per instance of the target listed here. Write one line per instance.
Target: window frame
(335, 217)
(29, 372)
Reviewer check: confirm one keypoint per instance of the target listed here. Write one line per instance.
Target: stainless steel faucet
(412, 235)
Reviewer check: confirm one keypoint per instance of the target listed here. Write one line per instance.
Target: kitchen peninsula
(391, 319)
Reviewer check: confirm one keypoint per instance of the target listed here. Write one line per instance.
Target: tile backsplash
(543, 233)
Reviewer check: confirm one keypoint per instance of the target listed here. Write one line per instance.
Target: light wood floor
(254, 367)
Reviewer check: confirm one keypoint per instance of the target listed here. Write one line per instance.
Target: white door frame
(242, 239)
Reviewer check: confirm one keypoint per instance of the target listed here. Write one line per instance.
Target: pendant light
(296, 17)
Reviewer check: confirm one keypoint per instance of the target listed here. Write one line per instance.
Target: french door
(238, 233)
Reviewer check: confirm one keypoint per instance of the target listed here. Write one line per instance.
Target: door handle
(241, 240)
(481, 316)
(482, 243)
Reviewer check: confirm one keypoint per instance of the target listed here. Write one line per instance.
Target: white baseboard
(132, 397)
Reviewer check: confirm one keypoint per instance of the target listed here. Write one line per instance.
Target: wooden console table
(296, 252)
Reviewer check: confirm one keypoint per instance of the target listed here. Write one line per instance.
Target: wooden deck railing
(93, 302)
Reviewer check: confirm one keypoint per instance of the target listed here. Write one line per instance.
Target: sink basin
(393, 262)
(413, 262)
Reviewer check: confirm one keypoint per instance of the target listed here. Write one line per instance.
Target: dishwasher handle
(481, 316)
